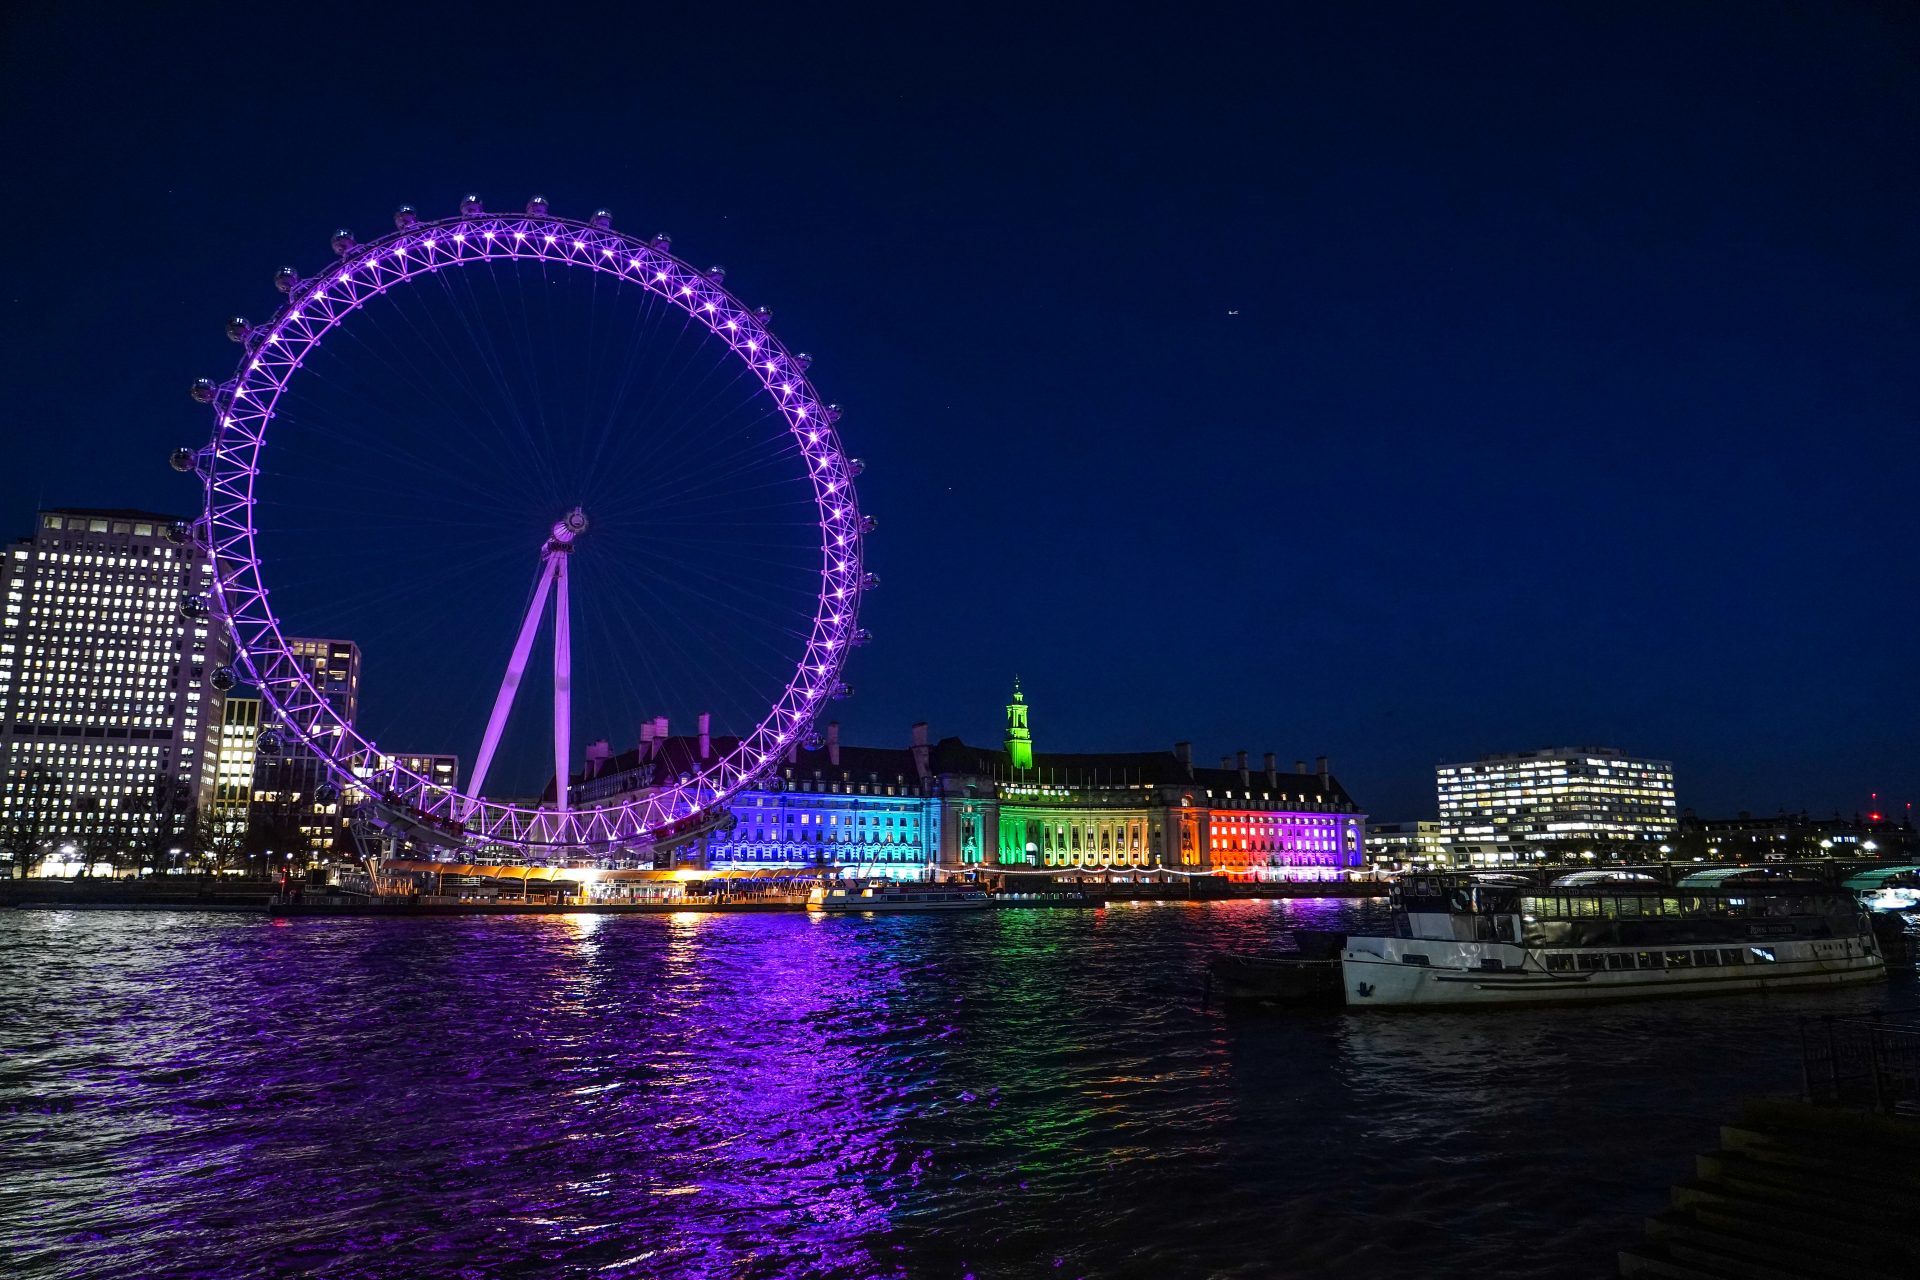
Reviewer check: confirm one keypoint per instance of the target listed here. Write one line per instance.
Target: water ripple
(1009, 1094)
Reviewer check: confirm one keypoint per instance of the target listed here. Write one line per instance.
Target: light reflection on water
(1005, 1093)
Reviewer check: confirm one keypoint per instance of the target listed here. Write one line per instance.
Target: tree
(22, 842)
(21, 837)
(271, 834)
(103, 840)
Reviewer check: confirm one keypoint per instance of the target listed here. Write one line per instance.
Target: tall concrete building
(1557, 797)
(109, 722)
(287, 804)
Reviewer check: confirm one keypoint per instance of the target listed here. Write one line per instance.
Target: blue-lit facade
(907, 812)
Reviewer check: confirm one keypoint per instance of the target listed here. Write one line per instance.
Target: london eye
(528, 455)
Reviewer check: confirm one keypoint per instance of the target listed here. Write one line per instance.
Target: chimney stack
(1226, 762)
(706, 734)
(646, 741)
(1241, 760)
(598, 753)
(922, 753)
(1299, 766)
(1273, 770)
(660, 731)
(1320, 763)
(1183, 752)
(833, 743)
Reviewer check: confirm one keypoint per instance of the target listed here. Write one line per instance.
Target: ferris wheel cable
(673, 641)
(360, 431)
(509, 455)
(520, 443)
(747, 396)
(506, 451)
(671, 611)
(633, 352)
(796, 621)
(773, 455)
(714, 490)
(752, 657)
(384, 446)
(675, 392)
(529, 447)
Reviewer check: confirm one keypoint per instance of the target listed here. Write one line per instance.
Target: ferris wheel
(751, 406)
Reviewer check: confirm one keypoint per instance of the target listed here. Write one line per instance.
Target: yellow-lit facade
(233, 774)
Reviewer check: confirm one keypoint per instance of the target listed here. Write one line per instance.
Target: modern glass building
(233, 774)
(109, 724)
(1555, 796)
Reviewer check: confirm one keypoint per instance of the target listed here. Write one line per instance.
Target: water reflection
(1006, 1094)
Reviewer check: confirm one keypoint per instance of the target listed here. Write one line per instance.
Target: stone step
(1840, 1155)
(1742, 1245)
(1873, 1233)
(1846, 1194)
(1652, 1261)
(1751, 1268)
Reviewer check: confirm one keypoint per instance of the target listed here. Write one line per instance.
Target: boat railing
(1873, 1060)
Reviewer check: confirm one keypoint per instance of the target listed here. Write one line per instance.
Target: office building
(1557, 798)
(287, 805)
(109, 723)
(234, 767)
(1396, 846)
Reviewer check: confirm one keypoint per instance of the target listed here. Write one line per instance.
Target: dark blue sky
(1398, 382)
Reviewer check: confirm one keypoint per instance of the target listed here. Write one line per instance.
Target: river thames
(997, 1094)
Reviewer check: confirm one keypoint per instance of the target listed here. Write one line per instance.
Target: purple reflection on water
(1011, 1093)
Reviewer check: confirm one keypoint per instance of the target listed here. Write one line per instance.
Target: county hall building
(948, 806)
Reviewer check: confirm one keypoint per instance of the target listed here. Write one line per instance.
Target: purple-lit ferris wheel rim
(244, 408)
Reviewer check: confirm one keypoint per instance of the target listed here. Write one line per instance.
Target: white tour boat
(897, 896)
(1474, 939)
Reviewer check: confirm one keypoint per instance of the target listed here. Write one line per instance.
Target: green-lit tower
(1019, 740)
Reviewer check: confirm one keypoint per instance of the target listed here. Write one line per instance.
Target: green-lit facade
(946, 806)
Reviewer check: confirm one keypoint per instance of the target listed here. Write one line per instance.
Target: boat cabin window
(1592, 960)
(1619, 960)
(1412, 957)
(1763, 954)
(1647, 959)
(1732, 955)
(1679, 959)
(1558, 962)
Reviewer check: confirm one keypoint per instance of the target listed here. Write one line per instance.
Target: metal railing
(1873, 1060)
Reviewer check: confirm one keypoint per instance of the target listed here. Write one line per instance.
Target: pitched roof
(680, 754)
(112, 513)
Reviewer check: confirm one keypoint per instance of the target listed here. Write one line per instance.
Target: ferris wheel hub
(566, 529)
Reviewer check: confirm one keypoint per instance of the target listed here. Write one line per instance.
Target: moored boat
(1273, 979)
(896, 897)
(1467, 939)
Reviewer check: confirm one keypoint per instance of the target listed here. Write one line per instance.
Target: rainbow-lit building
(945, 806)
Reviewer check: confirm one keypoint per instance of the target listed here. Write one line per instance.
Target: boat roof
(1581, 879)
(1765, 879)
(1878, 876)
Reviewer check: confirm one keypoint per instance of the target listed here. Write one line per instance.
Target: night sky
(1394, 382)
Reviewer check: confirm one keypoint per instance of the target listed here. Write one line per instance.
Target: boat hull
(1375, 980)
(859, 908)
